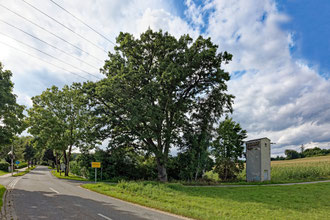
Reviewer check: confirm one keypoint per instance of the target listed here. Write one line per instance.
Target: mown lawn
(70, 177)
(3, 172)
(254, 202)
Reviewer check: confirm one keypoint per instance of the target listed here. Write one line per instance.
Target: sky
(279, 72)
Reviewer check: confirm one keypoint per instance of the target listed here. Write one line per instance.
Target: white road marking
(104, 216)
(13, 183)
(54, 190)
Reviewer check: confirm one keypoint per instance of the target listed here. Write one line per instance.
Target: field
(253, 202)
(297, 170)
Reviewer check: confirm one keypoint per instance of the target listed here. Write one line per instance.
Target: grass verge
(255, 202)
(3, 172)
(2, 191)
(24, 172)
(70, 177)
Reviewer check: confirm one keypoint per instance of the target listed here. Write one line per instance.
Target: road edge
(142, 206)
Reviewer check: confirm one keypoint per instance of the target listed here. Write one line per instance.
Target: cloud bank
(277, 96)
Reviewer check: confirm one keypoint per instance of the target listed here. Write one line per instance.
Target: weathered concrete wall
(258, 160)
(265, 159)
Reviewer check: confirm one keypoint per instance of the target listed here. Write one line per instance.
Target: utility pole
(12, 159)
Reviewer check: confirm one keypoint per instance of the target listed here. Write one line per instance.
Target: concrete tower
(258, 160)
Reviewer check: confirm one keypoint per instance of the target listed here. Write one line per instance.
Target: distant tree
(228, 149)
(59, 120)
(155, 86)
(11, 114)
(291, 154)
(49, 156)
(29, 152)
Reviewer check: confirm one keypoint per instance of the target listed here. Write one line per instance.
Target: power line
(64, 26)
(31, 55)
(81, 60)
(82, 22)
(51, 33)
(50, 55)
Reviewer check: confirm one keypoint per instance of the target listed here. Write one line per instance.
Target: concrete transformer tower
(258, 160)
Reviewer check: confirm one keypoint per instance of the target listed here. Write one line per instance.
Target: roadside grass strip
(22, 173)
(3, 172)
(2, 191)
(254, 202)
(70, 177)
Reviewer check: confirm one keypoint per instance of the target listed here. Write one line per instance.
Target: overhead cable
(79, 35)
(49, 55)
(45, 42)
(82, 22)
(31, 55)
(44, 29)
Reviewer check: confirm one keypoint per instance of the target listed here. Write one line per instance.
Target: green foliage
(59, 120)
(227, 149)
(284, 202)
(117, 164)
(4, 166)
(11, 114)
(157, 85)
(292, 154)
(21, 165)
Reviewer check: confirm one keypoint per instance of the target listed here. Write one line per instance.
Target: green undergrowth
(310, 201)
(70, 177)
(2, 191)
(22, 173)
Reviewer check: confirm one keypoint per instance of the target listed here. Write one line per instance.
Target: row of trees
(158, 93)
(311, 152)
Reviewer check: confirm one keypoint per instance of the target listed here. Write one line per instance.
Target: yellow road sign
(96, 164)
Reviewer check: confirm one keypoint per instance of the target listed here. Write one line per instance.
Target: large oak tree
(155, 88)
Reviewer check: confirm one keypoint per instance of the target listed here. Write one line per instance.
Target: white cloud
(277, 96)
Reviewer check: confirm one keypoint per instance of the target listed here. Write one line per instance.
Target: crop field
(297, 170)
(305, 169)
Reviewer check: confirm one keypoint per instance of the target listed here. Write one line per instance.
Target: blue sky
(310, 22)
(280, 69)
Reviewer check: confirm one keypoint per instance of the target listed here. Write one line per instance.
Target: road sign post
(96, 165)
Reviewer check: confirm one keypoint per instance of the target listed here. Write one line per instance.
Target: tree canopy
(59, 120)
(156, 88)
(228, 149)
(11, 113)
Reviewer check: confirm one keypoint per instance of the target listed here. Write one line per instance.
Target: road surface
(39, 195)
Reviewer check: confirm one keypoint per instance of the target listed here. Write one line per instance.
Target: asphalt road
(39, 195)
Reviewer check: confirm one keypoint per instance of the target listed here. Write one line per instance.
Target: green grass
(70, 177)
(2, 191)
(255, 202)
(22, 173)
(3, 172)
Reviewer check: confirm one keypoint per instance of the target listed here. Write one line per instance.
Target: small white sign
(62, 166)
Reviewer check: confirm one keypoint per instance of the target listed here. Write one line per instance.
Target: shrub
(4, 166)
